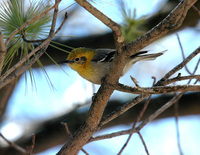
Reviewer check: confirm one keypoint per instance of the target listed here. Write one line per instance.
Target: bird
(94, 64)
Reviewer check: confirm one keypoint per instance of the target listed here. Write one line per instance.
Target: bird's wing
(104, 55)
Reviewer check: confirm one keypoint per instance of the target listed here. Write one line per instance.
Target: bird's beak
(66, 61)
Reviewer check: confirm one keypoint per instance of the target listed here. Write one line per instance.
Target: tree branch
(91, 125)
(106, 20)
(156, 89)
(161, 82)
(180, 66)
(137, 129)
(172, 21)
(2, 51)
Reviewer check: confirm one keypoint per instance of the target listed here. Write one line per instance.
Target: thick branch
(2, 51)
(106, 20)
(172, 21)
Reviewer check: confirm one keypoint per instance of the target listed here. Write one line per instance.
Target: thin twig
(125, 144)
(134, 124)
(179, 66)
(139, 127)
(156, 89)
(138, 118)
(160, 110)
(195, 69)
(66, 129)
(196, 9)
(182, 52)
(29, 149)
(122, 109)
(176, 79)
(22, 61)
(135, 82)
(15, 146)
(143, 142)
(177, 128)
(176, 110)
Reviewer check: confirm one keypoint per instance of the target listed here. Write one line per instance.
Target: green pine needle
(132, 27)
(13, 14)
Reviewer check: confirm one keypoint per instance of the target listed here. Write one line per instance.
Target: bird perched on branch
(94, 64)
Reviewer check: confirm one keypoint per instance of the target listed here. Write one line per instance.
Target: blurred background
(39, 103)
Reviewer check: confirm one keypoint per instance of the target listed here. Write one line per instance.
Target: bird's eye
(76, 59)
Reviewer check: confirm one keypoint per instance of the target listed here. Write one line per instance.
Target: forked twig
(135, 82)
(138, 119)
(141, 125)
(134, 124)
(179, 66)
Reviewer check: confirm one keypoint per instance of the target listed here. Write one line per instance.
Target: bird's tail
(140, 56)
(143, 56)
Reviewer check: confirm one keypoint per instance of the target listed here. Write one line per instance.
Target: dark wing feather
(138, 53)
(104, 55)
